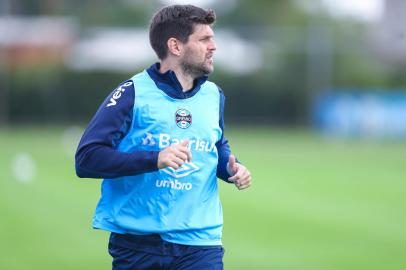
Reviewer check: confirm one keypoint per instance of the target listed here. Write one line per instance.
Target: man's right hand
(175, 155)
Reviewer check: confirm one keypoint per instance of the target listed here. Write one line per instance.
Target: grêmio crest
(183, 118)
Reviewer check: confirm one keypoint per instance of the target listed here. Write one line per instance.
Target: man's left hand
(241, 176)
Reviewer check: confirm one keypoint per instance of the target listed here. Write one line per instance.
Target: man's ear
(174, 46)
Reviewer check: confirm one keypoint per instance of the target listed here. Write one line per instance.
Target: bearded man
(158, 142)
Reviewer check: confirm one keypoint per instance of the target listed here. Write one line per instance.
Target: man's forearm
(99, 161)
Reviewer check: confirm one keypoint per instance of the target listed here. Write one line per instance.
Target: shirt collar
(169, 83)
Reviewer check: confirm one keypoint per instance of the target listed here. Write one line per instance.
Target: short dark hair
(178, 22)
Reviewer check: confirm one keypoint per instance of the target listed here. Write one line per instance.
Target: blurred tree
(303, 53)
(110, 13)
(264, 13)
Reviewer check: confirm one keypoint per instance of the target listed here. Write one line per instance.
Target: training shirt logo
(148, 140)
(184, 170)
(164, 140)
(173, 184)
(183, 118)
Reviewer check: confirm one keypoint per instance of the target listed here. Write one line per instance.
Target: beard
(194, 68)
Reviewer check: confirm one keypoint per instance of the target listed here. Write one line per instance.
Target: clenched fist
(175, 155)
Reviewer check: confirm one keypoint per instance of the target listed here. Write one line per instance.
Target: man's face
(197, 56)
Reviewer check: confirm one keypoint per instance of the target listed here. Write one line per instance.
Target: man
(158, 142)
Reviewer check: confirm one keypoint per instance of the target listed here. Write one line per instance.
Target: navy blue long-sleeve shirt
(97, 155)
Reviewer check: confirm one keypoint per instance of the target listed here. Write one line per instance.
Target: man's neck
(185, 80)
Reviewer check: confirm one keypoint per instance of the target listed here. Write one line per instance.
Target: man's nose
(212, 46)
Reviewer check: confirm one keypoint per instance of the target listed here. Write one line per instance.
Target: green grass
(314, 204)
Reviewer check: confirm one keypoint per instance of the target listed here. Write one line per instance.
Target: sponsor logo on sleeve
(117, 94)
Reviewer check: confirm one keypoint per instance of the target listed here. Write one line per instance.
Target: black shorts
(134, 252)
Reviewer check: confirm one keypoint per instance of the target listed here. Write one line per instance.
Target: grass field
(315, 204)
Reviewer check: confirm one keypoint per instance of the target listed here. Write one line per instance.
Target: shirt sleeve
(223, 148)
(97, 155)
